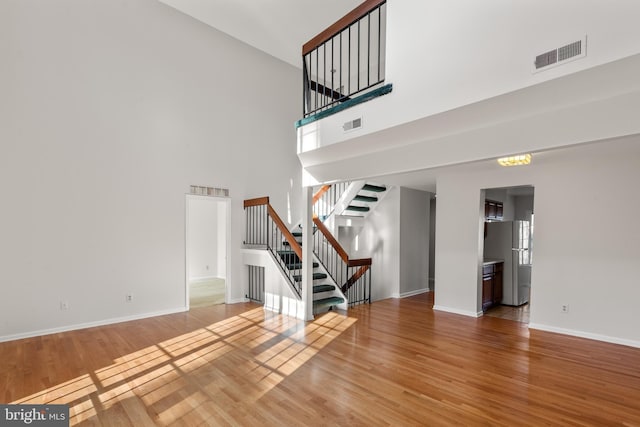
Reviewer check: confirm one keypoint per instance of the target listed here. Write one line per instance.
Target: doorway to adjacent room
(508, 252)
(207, 231)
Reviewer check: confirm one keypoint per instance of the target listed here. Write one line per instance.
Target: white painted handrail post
(307, 251)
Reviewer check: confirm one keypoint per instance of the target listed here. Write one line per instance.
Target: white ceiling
(277, 27)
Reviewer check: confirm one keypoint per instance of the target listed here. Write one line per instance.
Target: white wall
(586, 238)
(432, 242)
(414, 241)
(523, 207)
(206, 237)
(109, 111)
(395, 235)
(442, 55)
(379, 239)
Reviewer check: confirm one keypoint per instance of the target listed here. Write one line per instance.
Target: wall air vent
(561, 55)
(352, 125)
(209, 191)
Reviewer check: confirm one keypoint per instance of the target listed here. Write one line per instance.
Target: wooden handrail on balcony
(341, 24)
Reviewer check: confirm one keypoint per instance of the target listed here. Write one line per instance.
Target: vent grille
(567, 52)
(546, 59)
(209, 191)
(352, 124)
(570, 50)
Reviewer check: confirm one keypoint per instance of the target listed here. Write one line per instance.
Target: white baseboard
(204, 278)
(237, 300)
(582, 334)
(410, 293)
(457, 311)
(90, 324)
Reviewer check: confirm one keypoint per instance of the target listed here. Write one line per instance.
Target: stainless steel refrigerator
(511, 242)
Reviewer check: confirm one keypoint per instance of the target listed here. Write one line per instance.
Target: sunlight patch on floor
(187, 374)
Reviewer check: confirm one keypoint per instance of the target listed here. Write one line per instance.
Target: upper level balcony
(467, 85)
(345, 64)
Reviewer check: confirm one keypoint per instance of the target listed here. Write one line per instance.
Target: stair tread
(298, 265)
(362, 198)
(297, 234)
(323, 288)
(285, 243)
(328, 301)
(358, 208)
(375, 188)
(316, 276)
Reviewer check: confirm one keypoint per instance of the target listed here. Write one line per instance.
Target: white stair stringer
(279, 294)
(341, 219)
(347, 196)
(337, 292)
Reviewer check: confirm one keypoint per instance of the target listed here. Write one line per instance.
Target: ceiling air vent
(352, 124)
(558, 56)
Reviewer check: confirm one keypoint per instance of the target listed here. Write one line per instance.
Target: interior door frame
(227, 280)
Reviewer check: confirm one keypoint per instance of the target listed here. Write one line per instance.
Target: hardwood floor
(395, 362)
(517, 314)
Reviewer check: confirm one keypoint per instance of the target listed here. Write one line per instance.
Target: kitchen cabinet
(493, 210)
(491, 284)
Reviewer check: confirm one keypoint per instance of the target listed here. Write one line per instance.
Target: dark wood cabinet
(493, 210)
(487, 292)
(491, 285)
(497, 283)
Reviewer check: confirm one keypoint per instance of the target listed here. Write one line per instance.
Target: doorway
(207, 246)
(508, 252)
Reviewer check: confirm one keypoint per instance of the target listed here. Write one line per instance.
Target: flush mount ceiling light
(521, 159)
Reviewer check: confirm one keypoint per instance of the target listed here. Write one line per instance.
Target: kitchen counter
(489, 261)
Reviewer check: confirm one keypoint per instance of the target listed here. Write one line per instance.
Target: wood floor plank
(394, 362)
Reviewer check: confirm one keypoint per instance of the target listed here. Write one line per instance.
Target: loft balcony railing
(345, 60)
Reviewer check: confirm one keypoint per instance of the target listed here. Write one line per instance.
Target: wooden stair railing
(325, 199)
(350, 274)
(264, 227)
(320, 193)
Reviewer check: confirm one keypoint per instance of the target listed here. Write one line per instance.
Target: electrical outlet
(64, 305)
(128, 297)
(564, 308)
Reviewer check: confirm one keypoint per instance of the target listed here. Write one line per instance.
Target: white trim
(237, 300)
(457, 311)
(204, 278)
(410, 293)
(92, 324)
(582, 334)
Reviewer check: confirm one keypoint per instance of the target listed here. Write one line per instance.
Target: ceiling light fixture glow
(521, 159)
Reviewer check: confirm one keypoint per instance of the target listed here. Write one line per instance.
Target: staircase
(338, 280)
(325, 293)
(332, 203)
(359, 199)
